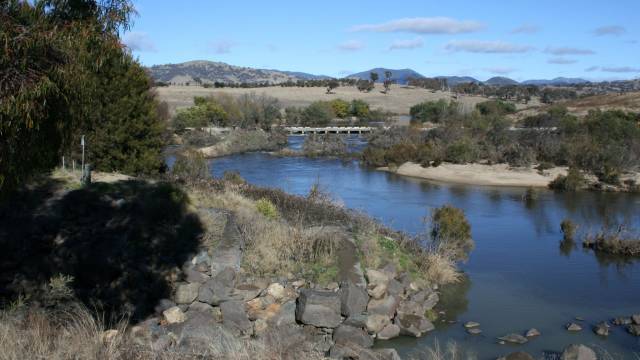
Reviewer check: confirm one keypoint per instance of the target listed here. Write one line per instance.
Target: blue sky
(521, 39)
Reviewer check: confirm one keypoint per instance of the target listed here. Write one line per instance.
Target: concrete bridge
(328, 130)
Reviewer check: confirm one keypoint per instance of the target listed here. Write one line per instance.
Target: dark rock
(200, 307)
(192, 275)
(387, 354)
(246, 292)
(218, 289)
(622, 321)
(163, 304)
(286, 315)
(345, 334)
(235, 318)
(413, 325)
(410, 307)
(636, 319)
(358, 320)
(186, 293)
(578, 352)
(514, 339)
(519, 355)
(385, 306)
(573, 327)
(353, 299)
(376, 322)
(390, 270)
(395, 288)
(319, 308)
(634, 330)
(198, 333)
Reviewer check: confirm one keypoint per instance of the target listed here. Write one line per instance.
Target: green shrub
(233, 177)
(319, 113)
(460, 152)
(451, 230)
(568, 229)
(433, 111)
(495, 107)
(190, 166)
(267, 208)
(340, 108)
(359, 108)
(374, 157)
(573, 181)
(400, 153)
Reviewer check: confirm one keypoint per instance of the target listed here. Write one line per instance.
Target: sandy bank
(476, 174)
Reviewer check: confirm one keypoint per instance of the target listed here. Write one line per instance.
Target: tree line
(64, 73)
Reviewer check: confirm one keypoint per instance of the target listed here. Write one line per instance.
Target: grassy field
(398, 101)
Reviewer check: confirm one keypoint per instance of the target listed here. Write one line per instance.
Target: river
(518, 276)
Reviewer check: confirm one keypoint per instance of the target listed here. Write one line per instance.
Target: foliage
(318, 113)
(233, 177)
(203, 114)
(495, 107)
(433, 111)
(190, 166)
(451, 230)
(573, 181)
(359, 108)
(568, 229)
(340, 108)
(332, 84)
(266, 208)
(324, 145)
(245, 111)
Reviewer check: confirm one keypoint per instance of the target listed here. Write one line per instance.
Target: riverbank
(477, 174)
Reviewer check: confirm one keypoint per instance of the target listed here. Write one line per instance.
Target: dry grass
(451, 351)
(618, 241)
(398, 100)
(627, 102)
(76, 334)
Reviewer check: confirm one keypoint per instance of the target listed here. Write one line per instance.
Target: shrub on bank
(568, 229)
(573, 181)
(190, 166)
(233, 177)
(266, 208)
(451, 231)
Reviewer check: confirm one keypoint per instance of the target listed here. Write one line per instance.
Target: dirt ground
(398, 100)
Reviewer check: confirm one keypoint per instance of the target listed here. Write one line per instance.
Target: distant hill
(210, 71)
(400, 76)
(556, 81)
(455, 80)
(305, 76)
(501, 81)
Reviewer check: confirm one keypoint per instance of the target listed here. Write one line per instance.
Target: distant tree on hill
(373, 76)
(387, 81)
(332, 84)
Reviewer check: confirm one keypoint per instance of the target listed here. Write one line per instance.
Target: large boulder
(578, 352)
(389, 332)
(413, 325)
(410, 307)
(319, 308)
(192, 275)
(173, 315)
(376, 322)
(353, 299)
(386, 306)
(246, 292)
(199, 332)
(514, 339)
(345, 334)
(186, 293)
(427, 298)
(218, 289)
(235, 318)
(376, 278)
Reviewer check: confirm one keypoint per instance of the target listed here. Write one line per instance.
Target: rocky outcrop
(319, 308)
(578, 352)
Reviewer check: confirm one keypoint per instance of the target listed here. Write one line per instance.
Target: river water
(520, 275)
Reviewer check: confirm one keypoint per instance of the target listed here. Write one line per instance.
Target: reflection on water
(520, 275)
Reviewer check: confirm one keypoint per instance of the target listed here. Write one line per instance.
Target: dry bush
(618, 241)
(452, 351)
(439, 266)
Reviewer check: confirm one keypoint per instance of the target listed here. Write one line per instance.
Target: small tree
(451, 231)
(374, 76)
(332, 84)
(387, 81)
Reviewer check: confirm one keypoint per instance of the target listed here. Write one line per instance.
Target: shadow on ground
(122, 243)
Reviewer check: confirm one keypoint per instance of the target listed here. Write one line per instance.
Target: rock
(218, 289)
(298, 284)
(634, 330)
(200, 307)
(353, 299)
(199, 332)
(202, 258)
(286, 315)
(332, 286)
(376, 278)
(427, 298)
(352, 351)
(471, 324)
(389, 332)
(345, 334)
(378, 291)
(186, 293)
(579, 318)
(246, 292)
(173, 315)
(109, 335)
(533, 332)
(636, 319)
(578, 352)
(410, 307)
(474, 331)
(387, 354)
(395, 288)
(376, 322)
(514, 339)
(385, 306)
(413, 325)
(260, 326)
(235, 318)
(601, 329)
(622, 321)
(519, 355)
(573, 327)
(319, 308)
(163, 304)
(390, 270)
(357, 320)
(277, 291)
(192, 275)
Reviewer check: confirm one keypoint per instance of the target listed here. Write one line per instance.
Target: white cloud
(351, 45)
(613, 30)
(407, 44)
(592, 68)
(499, 70)
(526, 29)
(620, 69)
(486, 47)
(139, 41)
(222, 46)
(561, 61)
(423, 25)
(565, 50)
